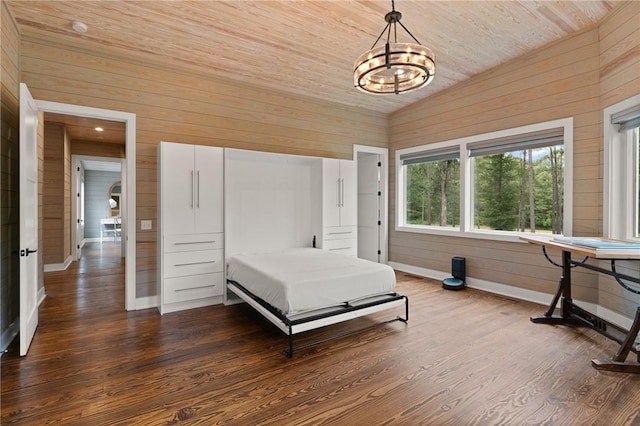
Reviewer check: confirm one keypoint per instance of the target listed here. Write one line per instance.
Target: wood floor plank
(464, 358)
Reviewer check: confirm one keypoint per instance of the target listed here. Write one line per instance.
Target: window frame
(620, 182)
(466, 228)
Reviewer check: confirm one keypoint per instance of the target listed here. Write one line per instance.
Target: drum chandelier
(395, 67)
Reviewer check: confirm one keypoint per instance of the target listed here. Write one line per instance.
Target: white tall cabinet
(191, 226)
(336, 228)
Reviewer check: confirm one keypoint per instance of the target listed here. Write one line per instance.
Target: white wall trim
(146, 302)
(613, 317)
(50, 267)
(516, 293)
(41, 296)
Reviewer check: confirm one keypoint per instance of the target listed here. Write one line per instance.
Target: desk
(110, 225)
(574, 315)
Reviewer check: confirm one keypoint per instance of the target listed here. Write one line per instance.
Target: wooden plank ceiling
(85, 129)
(309, 47)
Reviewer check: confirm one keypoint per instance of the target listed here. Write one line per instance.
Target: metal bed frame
(301, 323)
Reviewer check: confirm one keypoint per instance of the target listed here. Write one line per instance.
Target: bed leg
(289, 353)
(406, 310)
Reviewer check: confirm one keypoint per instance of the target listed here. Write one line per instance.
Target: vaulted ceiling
(309, 47)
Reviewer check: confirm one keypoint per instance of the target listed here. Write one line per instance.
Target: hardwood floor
(464, 358)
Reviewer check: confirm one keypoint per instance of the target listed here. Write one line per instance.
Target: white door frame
(384, 206)
(128, 186)
(75, 160)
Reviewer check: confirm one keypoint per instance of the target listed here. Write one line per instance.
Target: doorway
(128, 182)
(96, 202)
(373, 171)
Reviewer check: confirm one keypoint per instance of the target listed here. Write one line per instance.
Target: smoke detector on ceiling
(79, 27)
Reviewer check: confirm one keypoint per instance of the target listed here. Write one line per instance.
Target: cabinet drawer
(339, 232)
(194, 287)
(180, 264)
(346, 246)
(189, 242)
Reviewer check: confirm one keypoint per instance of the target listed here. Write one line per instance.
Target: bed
(301, 289)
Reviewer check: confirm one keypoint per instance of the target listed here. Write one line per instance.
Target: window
(518, 182)
(433, 187)
(493, 185)
(622, 170)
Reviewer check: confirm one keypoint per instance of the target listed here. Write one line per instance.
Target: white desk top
(609, 253)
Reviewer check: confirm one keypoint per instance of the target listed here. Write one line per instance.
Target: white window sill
(477, 234)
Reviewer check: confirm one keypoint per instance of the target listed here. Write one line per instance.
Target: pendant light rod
(380, 36)
(393, 17)
(408, 32)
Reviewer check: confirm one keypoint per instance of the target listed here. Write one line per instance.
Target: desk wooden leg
(618, 362)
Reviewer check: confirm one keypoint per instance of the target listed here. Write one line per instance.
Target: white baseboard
(614, 317)
(517, 293)
(41, 296)
(58, 266)
(190, 304)
(421, 272)
(146, 302)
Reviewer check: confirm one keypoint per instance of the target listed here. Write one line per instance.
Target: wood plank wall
(563, 79)
(55, 198)
(40, 150)
(619, 79)
(619, 36)
(92, 149)
(66, 214)
(9, 117)
(180, 104)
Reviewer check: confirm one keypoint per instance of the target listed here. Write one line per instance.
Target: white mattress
(303, 279)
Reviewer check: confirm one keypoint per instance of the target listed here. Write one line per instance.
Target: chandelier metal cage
(395, 67)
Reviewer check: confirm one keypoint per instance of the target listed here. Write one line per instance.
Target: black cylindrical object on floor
(457, 268)
(459, 274)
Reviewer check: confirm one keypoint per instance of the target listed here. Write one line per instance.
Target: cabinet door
(208, 189)
(331, 192)
(177, 186)
(349, 193)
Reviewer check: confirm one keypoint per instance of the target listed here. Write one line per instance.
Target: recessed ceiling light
(99, 129)
(79, 27)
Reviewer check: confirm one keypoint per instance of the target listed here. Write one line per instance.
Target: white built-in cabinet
(338, 224)
(191, 226)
